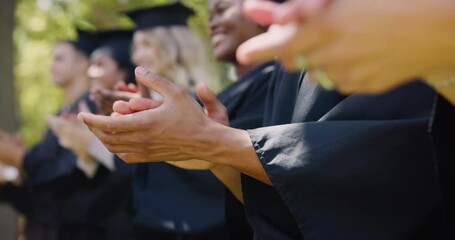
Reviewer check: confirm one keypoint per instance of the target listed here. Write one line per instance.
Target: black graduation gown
(46, 168)
(244, 101)
(174, 203)
(96, 208)
(360, 167)
(112, 203)
(60, 202)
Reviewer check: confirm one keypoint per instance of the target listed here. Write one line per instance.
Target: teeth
(217, 38)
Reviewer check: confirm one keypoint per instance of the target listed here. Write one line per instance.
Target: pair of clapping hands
(142, 125)
(353, 45)
(356, 45)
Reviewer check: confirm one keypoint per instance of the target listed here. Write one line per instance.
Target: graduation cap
(175, 14)
(117, 44)
(85, 42)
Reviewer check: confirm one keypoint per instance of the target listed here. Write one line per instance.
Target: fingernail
(141, 71)
(80, 117)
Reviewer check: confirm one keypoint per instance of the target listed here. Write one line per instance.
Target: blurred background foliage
(40, 23)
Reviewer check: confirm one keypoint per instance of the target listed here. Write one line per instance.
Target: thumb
(83, 107)
(299, 11)
(214, 108)
(260, 11)
(207, 97)
(155, 82)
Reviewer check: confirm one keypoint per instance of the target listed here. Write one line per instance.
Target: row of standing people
(325, 165)
(342, 167)
(74, 189)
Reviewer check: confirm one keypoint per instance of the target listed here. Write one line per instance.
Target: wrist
(232, 148)
(229, 146)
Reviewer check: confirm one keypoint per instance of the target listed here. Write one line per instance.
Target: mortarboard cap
(117, 43)
(175, 14)
(85, 42)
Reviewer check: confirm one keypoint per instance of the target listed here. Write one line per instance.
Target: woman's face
(143, 54)
(229, 28)
(104, 70)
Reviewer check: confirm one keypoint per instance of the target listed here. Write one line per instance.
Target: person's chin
(223, 54)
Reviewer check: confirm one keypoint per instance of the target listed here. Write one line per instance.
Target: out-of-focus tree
(40, 23)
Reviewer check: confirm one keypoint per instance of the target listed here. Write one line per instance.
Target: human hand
(175, 130)
(285, 22)
(143, 104)
(361, 53)
(12, 150)
(105, 98)
(267, 12)
(72, 134)
(216, 111)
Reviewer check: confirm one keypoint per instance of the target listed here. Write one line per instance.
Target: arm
(176, 130)
(357, 51)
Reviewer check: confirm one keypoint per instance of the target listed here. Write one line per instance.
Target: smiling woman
(229, 28)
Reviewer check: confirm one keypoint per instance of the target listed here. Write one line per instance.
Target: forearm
(233, 148)
(230, 178)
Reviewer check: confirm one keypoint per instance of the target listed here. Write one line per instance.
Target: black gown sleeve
(48, 161)
(363, 171)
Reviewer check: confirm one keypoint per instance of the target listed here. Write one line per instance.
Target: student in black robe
(244, 100)
(105, 198)
(172, 203)
(359, 167)
(47, 164)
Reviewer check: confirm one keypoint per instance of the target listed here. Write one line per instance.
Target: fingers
(299, 11)
(259, 11)
(157, 83)
(126, 88)
(261, 48)
(214, 108)
(207, 97)
(142, 104)
(122, 108)
(121, 123)
(134, 105)
(83, 107)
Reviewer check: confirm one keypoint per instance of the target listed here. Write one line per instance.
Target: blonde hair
(183, 58)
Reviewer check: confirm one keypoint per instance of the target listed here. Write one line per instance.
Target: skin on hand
(192, 164)
(72, 135)
(359, 52)
(176, 130)
(12, 150)
(216, 111)
(104, 98)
